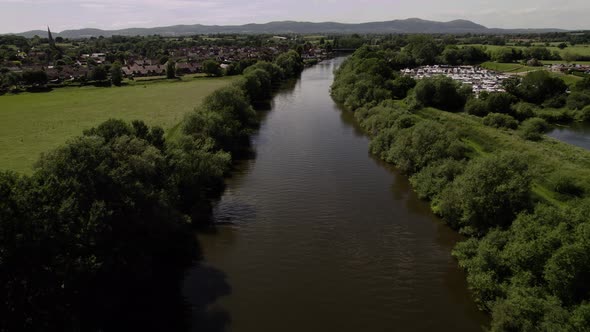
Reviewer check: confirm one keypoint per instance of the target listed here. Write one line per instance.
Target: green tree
(171, 69)
(116, 74)
(538, 86)
(211, 68)
(441, 92)
(491, 192)
(99, 73)
(291, 63)
(36, 77)
(423, 49)
(533, 129)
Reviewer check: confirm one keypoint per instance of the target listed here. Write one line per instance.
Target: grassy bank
(548, 158)
(31, 123)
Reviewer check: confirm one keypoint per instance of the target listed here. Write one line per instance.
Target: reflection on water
(577, 134)
(319, 236)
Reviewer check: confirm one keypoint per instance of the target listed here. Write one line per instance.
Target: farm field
(578, 49)
(32, 123)
(508, 67)
(516, 68)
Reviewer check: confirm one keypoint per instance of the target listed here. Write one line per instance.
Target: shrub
(584, 115)
(476, 107)
(423, 144)
(497, 120)
(533, 129)
(433, 179)
(578, 100)
(490, 193)
(566, 185)
(523, 111)
(555, 115)
(499, 102)
(556, 102)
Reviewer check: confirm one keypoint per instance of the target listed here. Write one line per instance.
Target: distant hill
(412, 25)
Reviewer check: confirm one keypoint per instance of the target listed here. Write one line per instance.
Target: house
(188, 68)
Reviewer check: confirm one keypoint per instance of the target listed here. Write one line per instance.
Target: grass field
(509, 67)
(516, 68)
(551, 62)
(578, 49)
(32, 123)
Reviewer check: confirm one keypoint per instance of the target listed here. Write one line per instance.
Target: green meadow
(508, 67)
(33, 123)
(577, 49)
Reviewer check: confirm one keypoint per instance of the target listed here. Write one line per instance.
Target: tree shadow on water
(203, 286)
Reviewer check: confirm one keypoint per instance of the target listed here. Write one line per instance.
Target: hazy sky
(22, 15)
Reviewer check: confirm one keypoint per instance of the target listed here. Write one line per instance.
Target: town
(58, 61)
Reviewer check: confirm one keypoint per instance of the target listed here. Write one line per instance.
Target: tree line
(526, 259)
(108, 217)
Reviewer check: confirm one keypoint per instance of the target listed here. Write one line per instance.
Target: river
(577, 134)
(319, 236)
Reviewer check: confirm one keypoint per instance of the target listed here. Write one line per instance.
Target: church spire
(51, 41)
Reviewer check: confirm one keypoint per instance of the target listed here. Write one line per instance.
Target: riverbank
(499, 186)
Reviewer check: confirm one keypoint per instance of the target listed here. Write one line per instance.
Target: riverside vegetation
(522, 199)
(101, 229)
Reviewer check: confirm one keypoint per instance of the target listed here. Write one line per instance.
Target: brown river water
(319, 236)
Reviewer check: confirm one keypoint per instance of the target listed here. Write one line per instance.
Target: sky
(24, 15)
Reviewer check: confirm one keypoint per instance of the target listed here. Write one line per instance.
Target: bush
(556, 102)
(566, 185)
(490, 193)
(433, 179)
(555, 115)
(584, 115)
(476, 107)
(533, 129)
(497, 120)
(423, 144)
(499, 102)
(523, 111)
(578, 100)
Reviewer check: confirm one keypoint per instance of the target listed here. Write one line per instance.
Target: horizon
(269, 22)
(27, 15)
